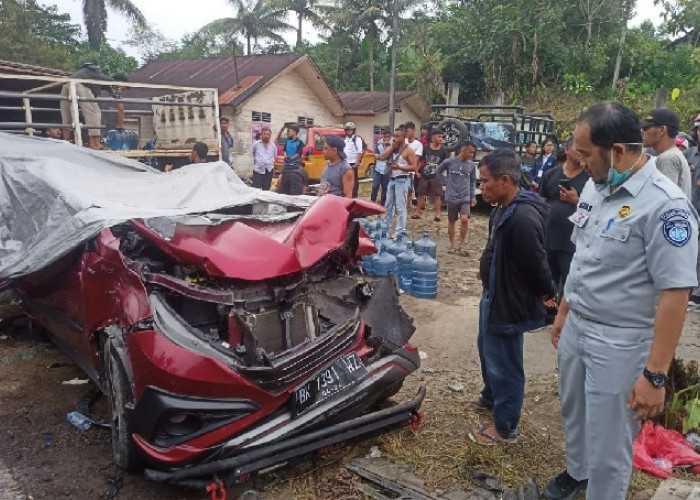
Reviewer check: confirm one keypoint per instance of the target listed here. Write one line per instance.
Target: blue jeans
(379, 180)
(503, 373)
(396, 195)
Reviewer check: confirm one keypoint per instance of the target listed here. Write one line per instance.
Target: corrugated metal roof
(29, 69)
(362, 103)
(236, 78)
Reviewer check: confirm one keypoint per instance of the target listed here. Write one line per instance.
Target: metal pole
(392, 82)
(27, 115)
(77, 130)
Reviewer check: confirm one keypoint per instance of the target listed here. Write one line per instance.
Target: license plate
(343, 373)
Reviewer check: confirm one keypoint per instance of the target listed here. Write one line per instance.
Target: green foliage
(32, 34)
(111, 60)
(576, 83)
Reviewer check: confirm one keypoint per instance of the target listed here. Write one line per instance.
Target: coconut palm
(255, 19)
(304, 9)
(95, 18)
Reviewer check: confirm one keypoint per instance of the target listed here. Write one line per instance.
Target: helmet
(349, 126)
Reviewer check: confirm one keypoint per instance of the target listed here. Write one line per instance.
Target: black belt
(401, 177)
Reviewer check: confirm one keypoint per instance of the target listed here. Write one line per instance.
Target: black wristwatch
(657, 379)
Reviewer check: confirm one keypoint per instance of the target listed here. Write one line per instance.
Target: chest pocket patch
(611, 246)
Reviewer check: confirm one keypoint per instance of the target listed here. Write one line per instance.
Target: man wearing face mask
(624, 303)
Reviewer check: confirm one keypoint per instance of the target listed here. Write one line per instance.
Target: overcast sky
(174, 18)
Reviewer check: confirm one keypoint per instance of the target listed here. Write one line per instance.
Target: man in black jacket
(517, 286)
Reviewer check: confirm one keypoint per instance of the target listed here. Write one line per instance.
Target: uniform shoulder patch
(676, 227)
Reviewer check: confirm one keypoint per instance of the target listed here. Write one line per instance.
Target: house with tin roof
(255, 91)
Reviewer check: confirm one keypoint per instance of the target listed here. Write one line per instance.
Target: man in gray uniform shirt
(659, 131)
(624, 304)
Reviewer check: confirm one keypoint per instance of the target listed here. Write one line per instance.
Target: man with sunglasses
(659, 131)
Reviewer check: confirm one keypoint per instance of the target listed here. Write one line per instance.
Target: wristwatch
(657, 379)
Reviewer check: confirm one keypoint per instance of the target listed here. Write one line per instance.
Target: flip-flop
(436, 219)
(477, 406)
(452, 250)
(485, 438)
(415, 216)
(463, 252)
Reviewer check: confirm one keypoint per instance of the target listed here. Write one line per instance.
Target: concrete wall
(286, 99)
(365, 124)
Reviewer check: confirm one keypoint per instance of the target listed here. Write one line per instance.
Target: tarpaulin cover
(668, 447)
(54, 196)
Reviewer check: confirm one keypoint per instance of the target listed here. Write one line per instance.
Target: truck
(157, 124)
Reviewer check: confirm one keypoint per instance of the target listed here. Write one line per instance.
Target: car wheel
(124, 451)
(369, 173)
(454, 133)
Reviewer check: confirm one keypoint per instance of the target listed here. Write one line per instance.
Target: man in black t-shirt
(429, 182)
(561, 187)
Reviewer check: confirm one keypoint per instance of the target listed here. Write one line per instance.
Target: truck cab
(313, 138)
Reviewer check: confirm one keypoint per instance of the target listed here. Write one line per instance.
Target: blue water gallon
(426, 243)
(385, 241)
(376, 236)
(384, 264)
(398, 246)
(366, 264)
(116, 140)
(405, 266)
(375, 225)
(386, 225)
(132, 139)
(424, 281)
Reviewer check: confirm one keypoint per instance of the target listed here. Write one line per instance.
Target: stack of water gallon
(414, 263)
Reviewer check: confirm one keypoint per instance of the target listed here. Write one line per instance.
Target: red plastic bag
(669, 448)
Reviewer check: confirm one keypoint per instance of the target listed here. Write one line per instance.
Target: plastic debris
(456, 386)
(423, 355)
(76, 381)
(657, 450)
(78, 420)
(374, 452)
(428, 369)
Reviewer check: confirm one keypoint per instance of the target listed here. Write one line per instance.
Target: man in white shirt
(264, 153)
(417, 146)
(353, 152)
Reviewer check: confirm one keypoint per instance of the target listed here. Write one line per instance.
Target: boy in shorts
(429, 182)
(460, 193)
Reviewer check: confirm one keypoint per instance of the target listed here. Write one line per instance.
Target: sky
(174, 21)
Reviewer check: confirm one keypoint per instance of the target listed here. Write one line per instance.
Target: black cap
(338, 143)
(661, 117)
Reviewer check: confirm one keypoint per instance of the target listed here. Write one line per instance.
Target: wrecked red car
(228, 340)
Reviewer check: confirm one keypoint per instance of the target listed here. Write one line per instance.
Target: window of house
(305, 120)
(259, 121)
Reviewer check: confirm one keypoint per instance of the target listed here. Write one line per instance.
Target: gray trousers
(598, 365)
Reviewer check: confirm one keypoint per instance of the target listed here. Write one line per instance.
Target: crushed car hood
(55, 196)
(254, 249)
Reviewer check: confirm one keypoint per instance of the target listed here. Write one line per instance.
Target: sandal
(414, 216)
(452, 250)
(489, 436)
(463, 252)
(436, 219)
(478, 406)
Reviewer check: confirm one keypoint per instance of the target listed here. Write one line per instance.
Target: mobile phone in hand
(565, 183)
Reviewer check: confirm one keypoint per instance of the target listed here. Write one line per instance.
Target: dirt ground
(43, 457)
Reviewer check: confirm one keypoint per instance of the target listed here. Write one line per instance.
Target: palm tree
(262, 19)
(304, 9)
(95, 17)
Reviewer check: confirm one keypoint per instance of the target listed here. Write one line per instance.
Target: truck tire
(124, 450)
(454, 132)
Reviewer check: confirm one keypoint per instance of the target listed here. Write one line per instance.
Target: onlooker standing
(337, 177)
(264, 153)
(401, 161)
(226, 140)
(659, 131)
(91, 110)
(429, 182)
(424, 135)
(293, 180)
(517, 285)
(561, 188)
(381, 173)
(293, 147)
(198, 155)
(353, 154)
(693, 157)
(624, 302)
(460, 193)
(545, 161)
(417, 146)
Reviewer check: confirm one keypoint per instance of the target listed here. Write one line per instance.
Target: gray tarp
(54, 196)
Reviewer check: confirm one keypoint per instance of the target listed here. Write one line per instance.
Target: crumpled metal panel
(235, 249)
(55, 196)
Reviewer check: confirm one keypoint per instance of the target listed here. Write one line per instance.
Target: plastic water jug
(366, 264)
(116, 140)
(384, 264)
(385, 241)
(427, 243)
(376, 224)
(405, 265)
(424, 282)
(398, 246)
